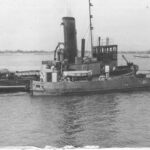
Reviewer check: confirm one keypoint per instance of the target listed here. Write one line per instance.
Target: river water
(105, 120)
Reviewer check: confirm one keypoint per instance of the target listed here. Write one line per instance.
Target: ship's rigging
(91, 26)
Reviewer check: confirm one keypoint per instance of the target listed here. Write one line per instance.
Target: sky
(36, 24)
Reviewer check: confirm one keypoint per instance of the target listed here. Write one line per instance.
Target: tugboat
(69, 74)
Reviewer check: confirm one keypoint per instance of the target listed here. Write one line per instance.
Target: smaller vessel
(9, 82)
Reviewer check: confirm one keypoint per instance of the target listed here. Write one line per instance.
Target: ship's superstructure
(68, 58)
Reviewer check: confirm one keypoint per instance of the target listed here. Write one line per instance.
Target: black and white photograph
(74, 74)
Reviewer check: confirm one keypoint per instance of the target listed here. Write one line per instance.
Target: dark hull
(116, 84)
(8, 86)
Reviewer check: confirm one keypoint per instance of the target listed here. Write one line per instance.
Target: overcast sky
(35, 24)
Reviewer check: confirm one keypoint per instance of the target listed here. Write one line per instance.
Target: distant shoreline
(24, 52)
(51, 52)
(134, 52)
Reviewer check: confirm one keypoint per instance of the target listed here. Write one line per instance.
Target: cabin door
(49, 77)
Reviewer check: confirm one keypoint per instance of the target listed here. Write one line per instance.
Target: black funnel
(70, 41)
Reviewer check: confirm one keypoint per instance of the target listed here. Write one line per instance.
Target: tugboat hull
(116, 84)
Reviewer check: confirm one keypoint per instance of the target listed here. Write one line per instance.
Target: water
(106, 120)
(21, 62)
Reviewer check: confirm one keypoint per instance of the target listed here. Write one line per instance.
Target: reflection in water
(105, 120)
(109, 120)
(98, 120)
(69, 124)
(89, 118)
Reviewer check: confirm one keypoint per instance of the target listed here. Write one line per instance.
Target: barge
(15, 81)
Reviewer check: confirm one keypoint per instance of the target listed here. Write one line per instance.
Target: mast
(91, 27)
